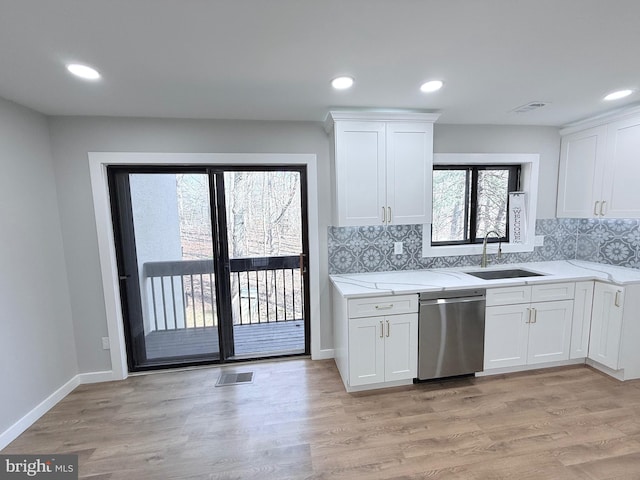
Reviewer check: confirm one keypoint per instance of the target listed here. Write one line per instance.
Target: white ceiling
(274, 59)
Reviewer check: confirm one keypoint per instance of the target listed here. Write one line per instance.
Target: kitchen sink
(498, 274)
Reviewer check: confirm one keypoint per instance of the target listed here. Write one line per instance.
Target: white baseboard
(15, 430)
(524, 368)
(97, 377)
(43, 407)
(323, 354)
(617, 374)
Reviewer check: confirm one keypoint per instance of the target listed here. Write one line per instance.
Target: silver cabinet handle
(535, 314)
(384, 307)
(595, 208)
(389, 214)
(388, 328)
(528, 316)
(381, 329)
(616, 302)
(603, 211)
(384, 215)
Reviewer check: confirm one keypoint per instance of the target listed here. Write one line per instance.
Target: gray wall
(73, 137)
(37, 351)
(509, 139)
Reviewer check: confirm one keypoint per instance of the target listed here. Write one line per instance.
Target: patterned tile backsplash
(370, 249)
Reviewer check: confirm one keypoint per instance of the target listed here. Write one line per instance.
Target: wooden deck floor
(257, 340)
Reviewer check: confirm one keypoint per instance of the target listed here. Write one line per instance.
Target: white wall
(37, 350)
(73, 137)
(509, 139)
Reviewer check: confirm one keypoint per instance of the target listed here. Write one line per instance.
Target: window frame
(529, 168)
(471, 200)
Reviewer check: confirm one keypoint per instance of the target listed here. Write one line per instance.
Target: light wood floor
(297, 422)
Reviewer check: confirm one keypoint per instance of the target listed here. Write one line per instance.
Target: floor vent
(234, 379)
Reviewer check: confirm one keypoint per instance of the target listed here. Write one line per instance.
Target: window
(471, 200)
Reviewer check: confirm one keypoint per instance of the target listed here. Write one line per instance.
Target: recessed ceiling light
(342, 83)
(618, 94)
(431, 86)
(83, 71)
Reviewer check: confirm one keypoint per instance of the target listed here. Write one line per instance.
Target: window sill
(475, 249)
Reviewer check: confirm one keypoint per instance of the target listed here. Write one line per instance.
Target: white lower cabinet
(581, 325)
(606, 325)
(376, 340)
(532, 333)
(506, 333)
(383, 349)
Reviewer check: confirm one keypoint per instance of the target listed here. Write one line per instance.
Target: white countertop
(432, 280)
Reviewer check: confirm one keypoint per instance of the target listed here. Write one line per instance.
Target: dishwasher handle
(446, 301)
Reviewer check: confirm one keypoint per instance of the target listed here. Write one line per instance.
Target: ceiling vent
(529, 107)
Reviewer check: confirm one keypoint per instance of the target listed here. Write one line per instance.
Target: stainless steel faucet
(483, 262)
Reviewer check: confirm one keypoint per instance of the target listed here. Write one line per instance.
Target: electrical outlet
(105, 343)
(397, 248)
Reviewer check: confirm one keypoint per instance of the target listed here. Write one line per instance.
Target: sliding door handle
(303, 268)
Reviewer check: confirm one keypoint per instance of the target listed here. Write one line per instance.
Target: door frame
(98, 162)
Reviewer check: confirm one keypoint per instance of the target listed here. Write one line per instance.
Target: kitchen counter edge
(402, 282)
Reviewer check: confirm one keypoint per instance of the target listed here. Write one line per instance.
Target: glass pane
(263, 213)
(493, 193)
(264, 231)
(449, 194)
(174, 250)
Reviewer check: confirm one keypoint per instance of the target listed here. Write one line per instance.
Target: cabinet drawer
(553, 291)
(508, 295)
(387, 305)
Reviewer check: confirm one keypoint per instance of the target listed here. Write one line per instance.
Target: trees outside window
(471, 200)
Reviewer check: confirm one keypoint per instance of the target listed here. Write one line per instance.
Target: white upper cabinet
(622, 170)
(360, 172)
(580, 177)
(383, 167)
(409, 172)
(598, 173)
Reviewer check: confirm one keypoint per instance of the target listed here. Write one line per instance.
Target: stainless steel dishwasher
(451, 333)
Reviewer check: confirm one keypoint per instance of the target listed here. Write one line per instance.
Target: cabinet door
(549, 331)
(360, 173)
(606, 325)
(366, 350)
(401, 347)
(505, 336)
(580, 176)
(409, 172)
(622, 170)
(581, 323)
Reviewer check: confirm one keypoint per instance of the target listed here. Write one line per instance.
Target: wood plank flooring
(257, 340)
(295, 421)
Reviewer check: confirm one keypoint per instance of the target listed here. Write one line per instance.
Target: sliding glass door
(211, 263)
